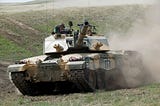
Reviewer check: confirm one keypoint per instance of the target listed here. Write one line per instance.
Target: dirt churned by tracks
(6, 87)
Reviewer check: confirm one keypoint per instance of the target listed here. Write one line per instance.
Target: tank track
(29, 88)
(78, 78)
(81, 79)
(101, 80)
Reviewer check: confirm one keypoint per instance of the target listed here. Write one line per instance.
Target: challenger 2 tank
(74, 61)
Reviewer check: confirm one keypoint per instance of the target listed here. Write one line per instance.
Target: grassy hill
(22, 35)
(27, 30)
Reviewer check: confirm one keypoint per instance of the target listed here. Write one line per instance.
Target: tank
(74, 61)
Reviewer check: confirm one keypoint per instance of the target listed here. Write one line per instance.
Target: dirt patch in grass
(6, 87)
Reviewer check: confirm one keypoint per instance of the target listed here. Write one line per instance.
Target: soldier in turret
(59, 28)
(62, 28)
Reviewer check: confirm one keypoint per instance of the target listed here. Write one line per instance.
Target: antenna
(52, 15)
(87, 11)
(49, 10)
(47, 18)
(88, 7)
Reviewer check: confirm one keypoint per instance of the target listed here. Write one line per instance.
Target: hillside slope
(22, 35)
(27, 30)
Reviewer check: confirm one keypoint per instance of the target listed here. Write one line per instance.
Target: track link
(79, 78)
(29, 88)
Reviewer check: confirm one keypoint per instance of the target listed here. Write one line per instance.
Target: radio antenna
(46, 17)
(86, 14)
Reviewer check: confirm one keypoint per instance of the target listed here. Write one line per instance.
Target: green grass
(9, 50)
(143, 96)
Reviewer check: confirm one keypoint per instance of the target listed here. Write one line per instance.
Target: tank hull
(85, 72)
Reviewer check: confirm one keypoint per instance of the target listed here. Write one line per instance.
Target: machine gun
(85, 29)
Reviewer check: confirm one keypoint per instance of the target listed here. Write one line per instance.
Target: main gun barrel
(82, 35)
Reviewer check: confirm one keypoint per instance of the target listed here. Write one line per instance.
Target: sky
(14, 1)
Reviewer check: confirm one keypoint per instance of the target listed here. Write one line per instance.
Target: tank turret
(80, 39)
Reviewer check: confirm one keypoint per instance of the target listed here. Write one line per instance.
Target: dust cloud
(144, 37)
